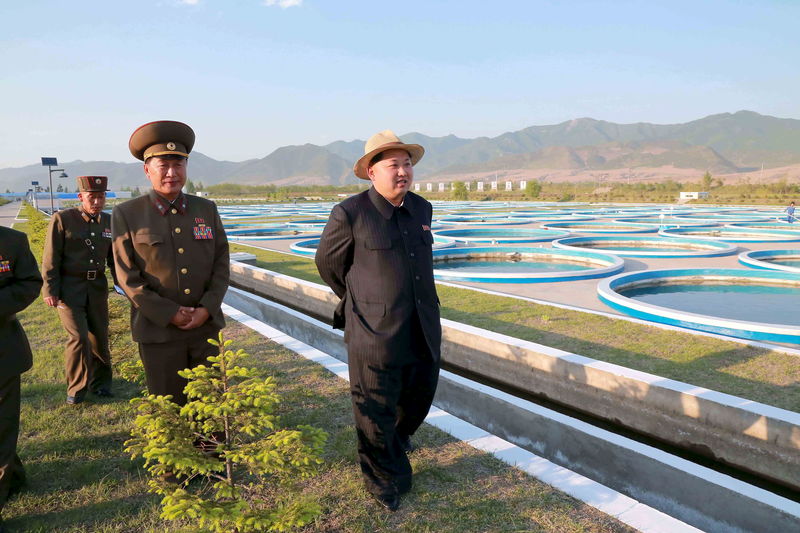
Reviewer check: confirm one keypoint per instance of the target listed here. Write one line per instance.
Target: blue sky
(76, 78)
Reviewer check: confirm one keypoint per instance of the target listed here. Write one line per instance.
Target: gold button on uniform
(184, 270)
(180, 250)
(187, 291)
(177, 230)
(173, 211)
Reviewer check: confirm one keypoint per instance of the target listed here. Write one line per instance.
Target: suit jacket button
(184, 270)
(180, 250)
(411, 254)
(187, 291)
(177, 230)
(173, 211)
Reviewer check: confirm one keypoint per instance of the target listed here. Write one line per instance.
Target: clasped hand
(189, 317)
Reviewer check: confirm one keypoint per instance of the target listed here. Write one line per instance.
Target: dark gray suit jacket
(377, 259)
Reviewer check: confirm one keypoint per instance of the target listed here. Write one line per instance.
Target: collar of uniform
(87, 217)
(384, 206)
(163, 205)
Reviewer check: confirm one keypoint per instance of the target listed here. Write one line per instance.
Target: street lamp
(51, 162)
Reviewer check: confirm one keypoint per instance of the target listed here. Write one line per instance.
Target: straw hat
(380, 142)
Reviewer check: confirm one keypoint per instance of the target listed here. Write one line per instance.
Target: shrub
(226, 451)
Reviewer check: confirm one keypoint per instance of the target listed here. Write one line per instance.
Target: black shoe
(405, 442)
(74, 400)
(103, 393)
(390, 502)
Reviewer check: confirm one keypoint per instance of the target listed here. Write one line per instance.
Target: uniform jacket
(168, 257)
(20, 283)
(74, 247)
(377, 259)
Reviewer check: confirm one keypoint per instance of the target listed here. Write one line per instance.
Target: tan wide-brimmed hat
(380, 142)
(163, 137)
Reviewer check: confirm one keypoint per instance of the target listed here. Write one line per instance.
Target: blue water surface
(772, 304)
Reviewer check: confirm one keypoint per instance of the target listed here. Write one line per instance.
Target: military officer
(172, 260)
(20, 283)
(376, 255)
(76, 251)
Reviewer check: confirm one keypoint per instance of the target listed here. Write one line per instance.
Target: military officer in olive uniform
(172, 261)
(20, 283)
(76, 251)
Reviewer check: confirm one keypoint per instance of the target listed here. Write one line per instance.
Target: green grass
(79, 478)
(757, 374)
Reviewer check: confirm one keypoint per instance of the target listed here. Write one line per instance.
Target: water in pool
(624, 248)
(794, 262)
(495, 265)
(772, 304)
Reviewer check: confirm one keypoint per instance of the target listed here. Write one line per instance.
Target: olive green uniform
(20, 282)
(170, 255)
(77, 249)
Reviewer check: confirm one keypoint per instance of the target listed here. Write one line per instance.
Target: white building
(693, 195)
(442, 187)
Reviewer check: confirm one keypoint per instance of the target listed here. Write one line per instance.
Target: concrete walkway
(8, 213)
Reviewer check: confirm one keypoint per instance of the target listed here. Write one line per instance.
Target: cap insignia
(98, 181)
(170, 145)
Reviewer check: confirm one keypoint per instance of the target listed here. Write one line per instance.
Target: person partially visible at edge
(790, 213)
(172, 261)
(20, 283)
(376, 255)
(76, 250)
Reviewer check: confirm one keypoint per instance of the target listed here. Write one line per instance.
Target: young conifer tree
(236, 469)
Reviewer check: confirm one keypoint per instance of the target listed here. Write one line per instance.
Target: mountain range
(728, 143)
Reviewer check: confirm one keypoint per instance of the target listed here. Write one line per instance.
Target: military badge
(426, 227)
(170, 145)
(199, 220)
(203, 232)
(107, 233)
(5, 266)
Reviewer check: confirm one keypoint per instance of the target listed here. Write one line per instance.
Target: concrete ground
(581, 293)
(8, 213)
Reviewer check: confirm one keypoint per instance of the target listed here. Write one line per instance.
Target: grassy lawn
(753, 373)
(79, 478)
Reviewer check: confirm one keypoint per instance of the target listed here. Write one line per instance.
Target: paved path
(8, 213)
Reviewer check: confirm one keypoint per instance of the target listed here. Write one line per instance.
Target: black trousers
(12, 474)
(163, 360)
(390, 401)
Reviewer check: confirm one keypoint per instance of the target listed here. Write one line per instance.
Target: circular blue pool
(499, 235)
(602, 227)
(498, 264)
(268, 233)
(733, 234)
(785, 260)
(648, 246)
(750, 304)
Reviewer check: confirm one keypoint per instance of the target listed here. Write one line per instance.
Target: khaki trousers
(87, 358)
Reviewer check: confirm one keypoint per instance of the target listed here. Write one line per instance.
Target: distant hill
(727, 143)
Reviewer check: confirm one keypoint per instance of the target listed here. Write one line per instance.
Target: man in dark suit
(172, 261)
(20, 283)
(76, 251)
(375, 253)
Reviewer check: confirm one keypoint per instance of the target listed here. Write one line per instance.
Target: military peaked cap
(163, 137)
(93, 183)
